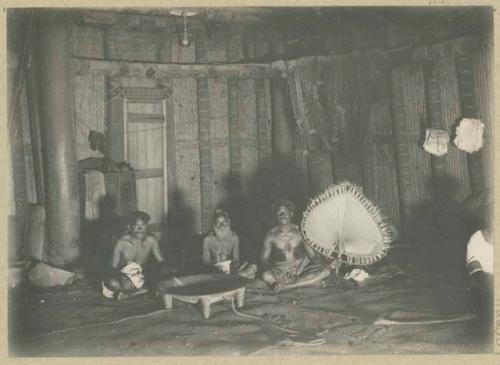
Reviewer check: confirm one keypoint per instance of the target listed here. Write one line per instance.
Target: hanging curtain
(307, 90)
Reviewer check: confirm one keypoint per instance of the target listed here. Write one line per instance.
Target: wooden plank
(132, 45)
(145, 94)
(148, 173)
(146, 118)
(150, 198)
(146, 108)
(145, 145)
(84, 66)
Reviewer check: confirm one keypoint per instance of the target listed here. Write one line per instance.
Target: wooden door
(145, 149)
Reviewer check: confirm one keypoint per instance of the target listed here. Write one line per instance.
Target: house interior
(178, 112)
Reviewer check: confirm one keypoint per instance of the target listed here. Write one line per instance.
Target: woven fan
(343, 224)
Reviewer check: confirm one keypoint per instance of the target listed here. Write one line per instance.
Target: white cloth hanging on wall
(436, 141)
(469, 135)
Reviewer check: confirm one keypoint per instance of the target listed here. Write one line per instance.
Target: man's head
(221, 223)
(283, 211)
(137, 224)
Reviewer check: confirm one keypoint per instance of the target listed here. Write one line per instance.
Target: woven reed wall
(219, 130)
(379, 106)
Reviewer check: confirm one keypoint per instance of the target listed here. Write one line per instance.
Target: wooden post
(59, 145)
(34, 116)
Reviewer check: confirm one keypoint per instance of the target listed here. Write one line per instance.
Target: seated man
(286, 259)
(480, 270)
(132, 251)
(221, 248)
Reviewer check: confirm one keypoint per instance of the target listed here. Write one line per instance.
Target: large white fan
(343, 224)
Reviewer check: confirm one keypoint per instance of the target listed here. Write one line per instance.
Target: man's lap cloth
(287, 272)
(132, 272)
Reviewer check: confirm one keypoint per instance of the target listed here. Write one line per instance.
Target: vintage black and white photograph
(250, 180)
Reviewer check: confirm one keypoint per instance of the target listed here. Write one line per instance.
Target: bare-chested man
(288, 262)
(221, 248)
(132, 251)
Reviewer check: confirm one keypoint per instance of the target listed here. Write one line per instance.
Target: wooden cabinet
(121, 193)
(121, 186)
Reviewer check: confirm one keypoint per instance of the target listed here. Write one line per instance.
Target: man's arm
(155, 250)
(117, 254)
(311, 254)
(235, 255)
(206, 252)
(266, 250)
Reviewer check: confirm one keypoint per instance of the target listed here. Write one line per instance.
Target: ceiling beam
(87, 66)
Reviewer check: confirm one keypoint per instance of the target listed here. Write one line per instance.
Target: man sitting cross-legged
(132, 251)
(287, 261)
(221, 248)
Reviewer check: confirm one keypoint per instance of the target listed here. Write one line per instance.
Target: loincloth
(130, 273)
(287, 272)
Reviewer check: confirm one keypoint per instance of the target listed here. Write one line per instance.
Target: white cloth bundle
(469, 135)
(134, 273)
(436, 141)
(480, 250)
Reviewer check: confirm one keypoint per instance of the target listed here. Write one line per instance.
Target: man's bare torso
(132, 250)
(287, 244)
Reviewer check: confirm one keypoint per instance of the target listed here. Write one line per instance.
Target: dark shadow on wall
(179, 244)
(249, 210)
(438, 232)
(99, 237)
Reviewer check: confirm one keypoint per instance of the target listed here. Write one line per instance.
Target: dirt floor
(77, 321)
